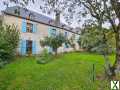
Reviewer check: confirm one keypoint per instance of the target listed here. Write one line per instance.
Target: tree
(91, 39)
(102, 11)
(9, 38)
(71, 42)
(54, 42)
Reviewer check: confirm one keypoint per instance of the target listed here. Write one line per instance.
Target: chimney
(57, 19)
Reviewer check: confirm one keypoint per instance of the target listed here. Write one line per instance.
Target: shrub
(9, 38)
(45, 57)
(54, 42)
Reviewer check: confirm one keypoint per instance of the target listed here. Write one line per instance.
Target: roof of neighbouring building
(36, 17)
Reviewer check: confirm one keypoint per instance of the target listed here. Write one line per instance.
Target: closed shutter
(34, 27)
(34, 47)
(24, 25)
(23, 47)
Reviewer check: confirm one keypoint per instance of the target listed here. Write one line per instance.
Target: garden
(71, 71)
(90, 69)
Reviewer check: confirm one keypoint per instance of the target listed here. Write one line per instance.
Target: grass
(71, 71)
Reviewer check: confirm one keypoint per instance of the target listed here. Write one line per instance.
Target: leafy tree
(9, 38)
(54, 41)
(91, 37)
(105, 11)
(93, 40)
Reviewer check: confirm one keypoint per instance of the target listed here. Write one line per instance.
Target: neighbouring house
(33, 27)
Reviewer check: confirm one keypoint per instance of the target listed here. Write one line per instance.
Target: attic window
(17, 12)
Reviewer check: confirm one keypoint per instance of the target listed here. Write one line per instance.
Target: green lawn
(70, 71)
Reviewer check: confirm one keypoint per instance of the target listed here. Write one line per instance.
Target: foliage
(54, 41)
(100, 41)
(44, 57)
(92, 39)
(71, 42)
(9, 38)
(106, 11)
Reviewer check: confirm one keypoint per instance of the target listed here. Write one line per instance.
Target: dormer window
(29, 27)
(16, 11)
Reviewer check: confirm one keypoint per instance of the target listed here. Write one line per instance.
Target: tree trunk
(55, 51)
(107, 66)
(116, 65)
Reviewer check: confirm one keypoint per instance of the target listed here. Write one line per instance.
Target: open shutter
(34, 47)
(49, 31)
(50, 49)
(34, 27)
(24, 25)
(23, 47)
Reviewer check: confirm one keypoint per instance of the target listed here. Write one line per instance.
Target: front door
(29, 47)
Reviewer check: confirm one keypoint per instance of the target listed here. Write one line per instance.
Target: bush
(45, 57)
(9, 38)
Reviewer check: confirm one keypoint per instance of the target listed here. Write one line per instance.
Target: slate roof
(24, 13)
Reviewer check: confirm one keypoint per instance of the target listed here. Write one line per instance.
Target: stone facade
(42, 30)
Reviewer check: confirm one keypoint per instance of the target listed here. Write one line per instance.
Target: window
(66, 45)
(29, 27)
(53, 33)
(16, 11)
(66, 34)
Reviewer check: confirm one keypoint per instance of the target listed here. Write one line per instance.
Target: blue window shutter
(64, 45)
(24, 25)
(34, 47)
(34, 27)
(66, 34)
(49, 31)
(23, 47)
(50, 49)
(57, 32)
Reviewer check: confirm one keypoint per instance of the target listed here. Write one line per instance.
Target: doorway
(29, 47)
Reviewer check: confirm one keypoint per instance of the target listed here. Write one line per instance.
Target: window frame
(29, 27)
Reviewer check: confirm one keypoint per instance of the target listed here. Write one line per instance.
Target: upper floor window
(53, 33)
(29, 27)
(66, 34)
